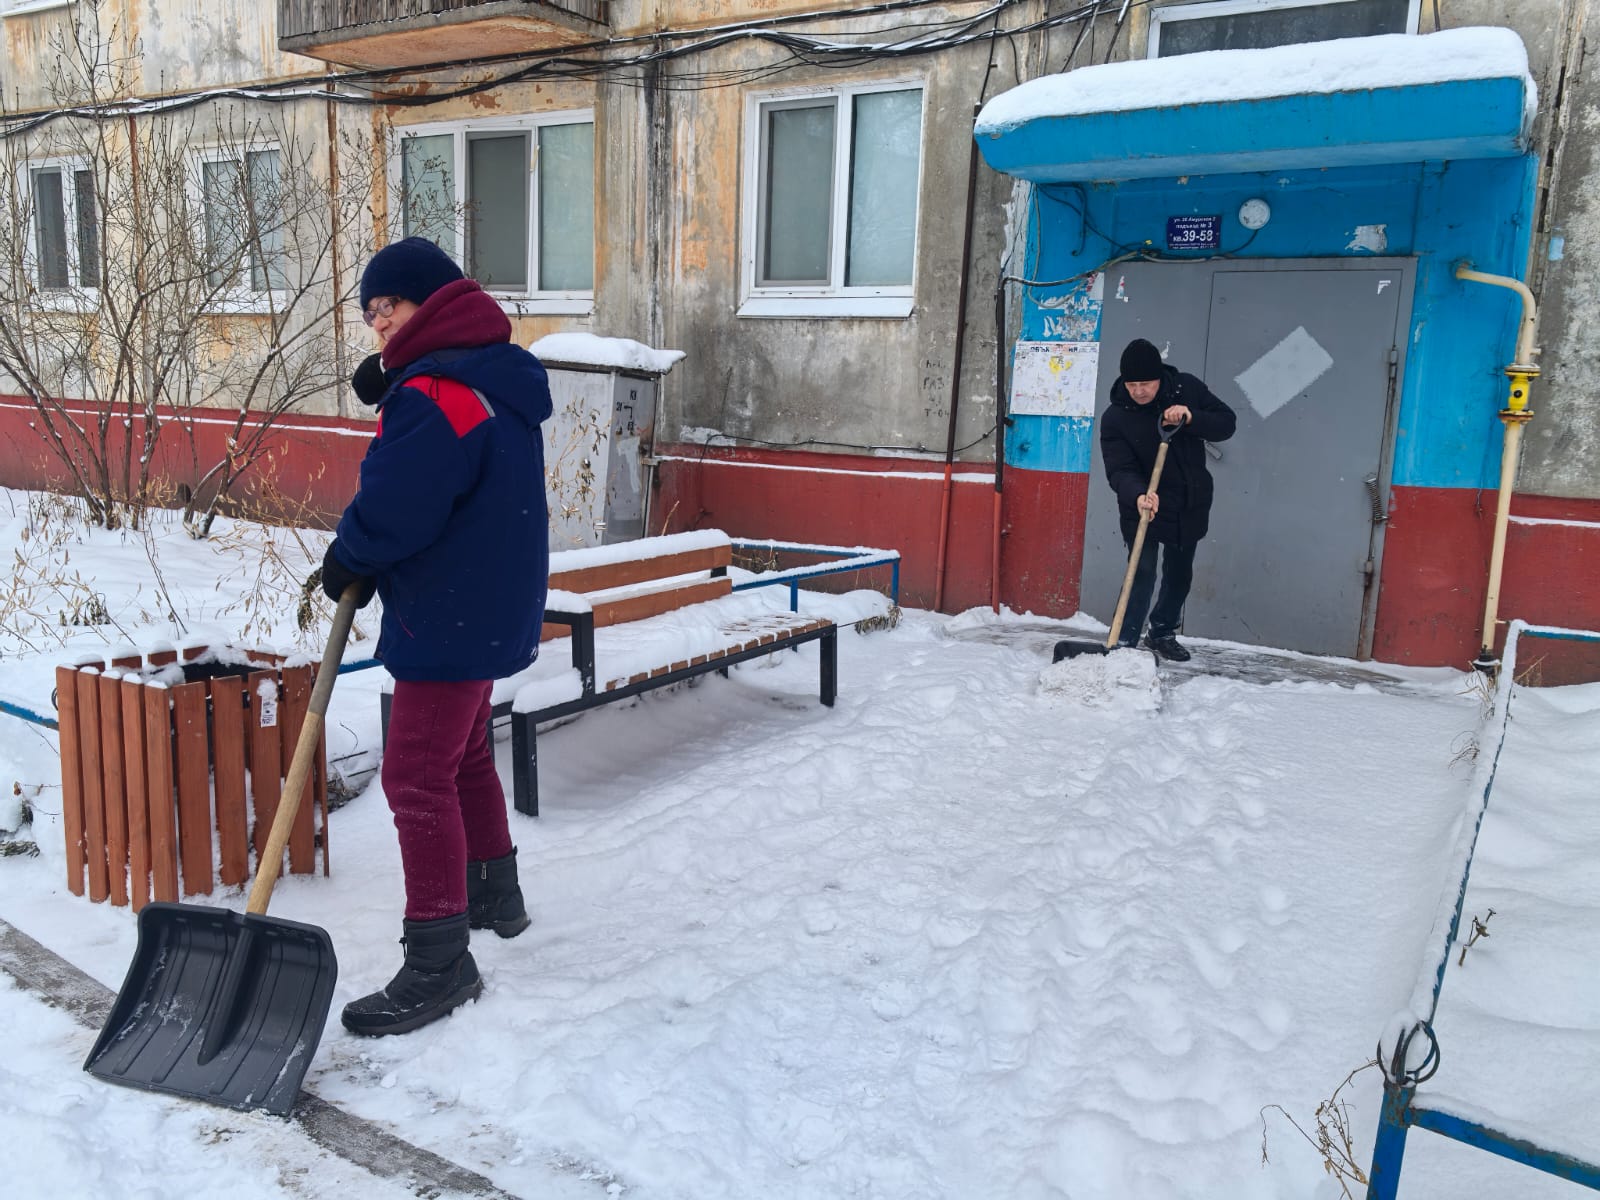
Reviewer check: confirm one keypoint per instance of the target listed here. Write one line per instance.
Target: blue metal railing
(1400, 1111)
(27, 714)
(843, 559)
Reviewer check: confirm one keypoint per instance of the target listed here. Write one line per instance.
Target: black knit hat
(1141, 361)
(412, 269)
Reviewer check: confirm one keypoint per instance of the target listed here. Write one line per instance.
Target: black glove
(336, 577)
(370, 380)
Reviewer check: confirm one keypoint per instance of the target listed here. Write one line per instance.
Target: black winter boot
(494, 901)
(438, 975)
(1168, 648)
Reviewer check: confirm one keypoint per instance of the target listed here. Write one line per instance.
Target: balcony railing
(385, 33)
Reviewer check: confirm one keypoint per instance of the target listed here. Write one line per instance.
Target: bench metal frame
(525, 725)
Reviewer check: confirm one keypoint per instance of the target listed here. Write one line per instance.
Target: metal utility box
(597, 443)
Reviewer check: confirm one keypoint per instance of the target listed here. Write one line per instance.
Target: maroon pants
(438, 772)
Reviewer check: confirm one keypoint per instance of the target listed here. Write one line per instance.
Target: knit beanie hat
(1141, 361)
(412, 269)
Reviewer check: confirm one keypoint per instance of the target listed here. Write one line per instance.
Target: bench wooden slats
(653, 604)
(642, 570)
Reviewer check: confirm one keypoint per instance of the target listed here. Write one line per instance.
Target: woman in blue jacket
(449, 528)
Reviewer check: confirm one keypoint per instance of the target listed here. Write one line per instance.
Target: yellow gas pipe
(1521, 372)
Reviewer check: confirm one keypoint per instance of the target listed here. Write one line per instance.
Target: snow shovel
(222, 1006)
(1073, 647)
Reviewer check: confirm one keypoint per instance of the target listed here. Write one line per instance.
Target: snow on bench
(642, 615)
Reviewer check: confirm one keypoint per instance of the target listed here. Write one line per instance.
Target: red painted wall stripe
(1434, 573)
(307, 476)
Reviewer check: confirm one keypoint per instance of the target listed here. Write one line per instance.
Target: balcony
(411, 33)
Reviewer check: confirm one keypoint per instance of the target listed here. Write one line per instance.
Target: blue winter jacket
(450, 515)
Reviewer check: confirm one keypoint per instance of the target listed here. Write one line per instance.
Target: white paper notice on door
(1055, 379)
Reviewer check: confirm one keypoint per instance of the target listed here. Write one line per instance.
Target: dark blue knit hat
(412, 269)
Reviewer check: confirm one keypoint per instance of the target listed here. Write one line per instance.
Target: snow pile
(1517, 1012)
(1125, 679)
(1216, 76)
(591, 350)
(942, 941)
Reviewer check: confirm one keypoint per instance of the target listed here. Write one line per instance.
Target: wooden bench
(642, 615)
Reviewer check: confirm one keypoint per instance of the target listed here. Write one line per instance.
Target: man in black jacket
(1147, 394)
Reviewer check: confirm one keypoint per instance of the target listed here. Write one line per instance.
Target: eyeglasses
(383, 306)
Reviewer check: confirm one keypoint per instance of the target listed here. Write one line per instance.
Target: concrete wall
(854, 382)
(1561, 448)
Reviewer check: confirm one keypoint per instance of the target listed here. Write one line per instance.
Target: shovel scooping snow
(1124, 678)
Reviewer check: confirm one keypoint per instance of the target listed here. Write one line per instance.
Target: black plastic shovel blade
(1071, 649)
(219, 1006)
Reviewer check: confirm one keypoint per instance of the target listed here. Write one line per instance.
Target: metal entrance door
(1308, 354)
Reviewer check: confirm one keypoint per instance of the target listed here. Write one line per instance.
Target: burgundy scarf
(459, 316)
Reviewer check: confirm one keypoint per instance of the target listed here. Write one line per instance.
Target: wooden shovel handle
(305, 752)
(1138, 548)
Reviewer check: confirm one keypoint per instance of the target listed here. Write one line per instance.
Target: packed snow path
(955, 938)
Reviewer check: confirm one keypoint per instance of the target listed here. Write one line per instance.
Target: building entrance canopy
(1461, 93)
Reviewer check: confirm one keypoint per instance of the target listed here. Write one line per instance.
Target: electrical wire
(596, 60)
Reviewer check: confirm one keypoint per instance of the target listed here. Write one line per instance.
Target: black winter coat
(1128, 442)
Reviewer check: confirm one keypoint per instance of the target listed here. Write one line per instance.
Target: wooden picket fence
(162, 784)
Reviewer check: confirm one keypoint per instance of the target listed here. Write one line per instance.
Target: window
(832, 181)
(513, 202)
(1255, 24)
(243, 223)
(66, 226)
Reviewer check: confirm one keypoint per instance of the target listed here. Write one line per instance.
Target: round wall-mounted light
(1253, 214)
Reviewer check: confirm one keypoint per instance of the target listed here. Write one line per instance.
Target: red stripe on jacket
(464, 407)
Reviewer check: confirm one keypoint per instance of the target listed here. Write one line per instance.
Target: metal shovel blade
(1071, 649)
(219, 1006)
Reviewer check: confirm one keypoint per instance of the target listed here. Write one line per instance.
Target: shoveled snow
(955, 937)
(1214, 76)
(1122, 678)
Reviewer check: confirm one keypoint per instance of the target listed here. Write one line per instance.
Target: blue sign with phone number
(1194, 233)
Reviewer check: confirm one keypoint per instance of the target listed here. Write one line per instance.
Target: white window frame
(833, 299)
(241, 297)
(529, 301)
(1173, 13)
(77, 293)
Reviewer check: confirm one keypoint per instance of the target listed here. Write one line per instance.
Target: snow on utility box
(172, 763)
(599, 438)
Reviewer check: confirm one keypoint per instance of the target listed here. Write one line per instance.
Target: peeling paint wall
(1561, 448)
(670, 188)
(830, 383)
(184, 44)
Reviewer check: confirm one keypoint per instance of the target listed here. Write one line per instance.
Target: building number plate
(1194, 233)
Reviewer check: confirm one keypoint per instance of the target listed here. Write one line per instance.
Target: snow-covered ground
(974, 932)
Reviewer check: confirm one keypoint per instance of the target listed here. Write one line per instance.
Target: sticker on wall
(1283, 372)
(1054, 379)
(1374, 239)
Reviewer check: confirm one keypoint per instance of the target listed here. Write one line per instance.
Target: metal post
(830, 665)
(525, 763)
(1383, 1181)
